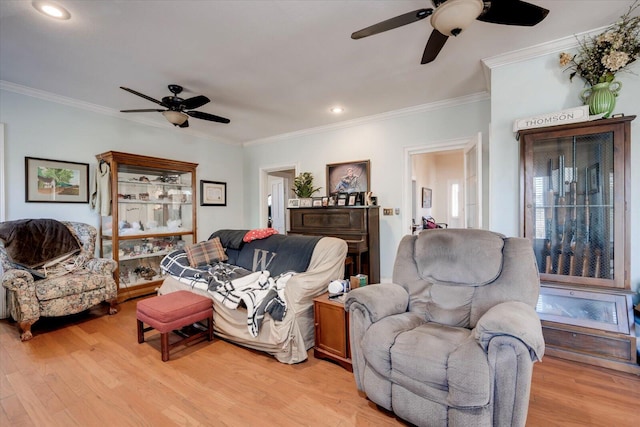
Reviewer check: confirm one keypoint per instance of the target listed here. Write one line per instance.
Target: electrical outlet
(387, 211)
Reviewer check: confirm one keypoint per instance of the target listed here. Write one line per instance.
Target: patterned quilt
(232, 286)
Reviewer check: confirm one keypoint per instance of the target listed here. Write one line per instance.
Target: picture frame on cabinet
(56, 181)
(317, 202)
(293, 203)
(213, 193)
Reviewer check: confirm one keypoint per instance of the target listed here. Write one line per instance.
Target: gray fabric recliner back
(450, 287)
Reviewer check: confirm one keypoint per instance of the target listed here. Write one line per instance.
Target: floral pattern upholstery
(70, 287)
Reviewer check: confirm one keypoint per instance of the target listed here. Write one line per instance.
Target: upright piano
(359, 226)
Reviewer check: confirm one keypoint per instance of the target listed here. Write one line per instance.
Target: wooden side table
(332, 331)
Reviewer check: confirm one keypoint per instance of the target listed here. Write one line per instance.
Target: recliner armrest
(515, 319)
(379, 301)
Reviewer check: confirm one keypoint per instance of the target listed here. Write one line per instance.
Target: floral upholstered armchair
(69, 284)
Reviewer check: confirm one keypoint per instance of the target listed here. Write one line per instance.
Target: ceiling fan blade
(513, 12)
(146, 110)
(184, 125)
(392, 23)
(207, 116)
(195, 102)
(142, 95)
(434, 46)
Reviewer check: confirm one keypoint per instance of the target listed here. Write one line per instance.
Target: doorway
(444, 182)
(276, 183)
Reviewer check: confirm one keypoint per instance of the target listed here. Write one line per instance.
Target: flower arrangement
(600, 57)
(303, 185)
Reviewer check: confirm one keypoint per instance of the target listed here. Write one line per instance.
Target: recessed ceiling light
(51, 9)
(337, 110)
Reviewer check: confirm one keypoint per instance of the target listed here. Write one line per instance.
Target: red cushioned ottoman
(166, 313)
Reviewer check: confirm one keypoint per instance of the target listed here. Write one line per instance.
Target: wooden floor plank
(89, 367)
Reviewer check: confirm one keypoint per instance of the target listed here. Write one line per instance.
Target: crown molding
(409, 111)
(542, 49)
(98, 109)
(554, 46)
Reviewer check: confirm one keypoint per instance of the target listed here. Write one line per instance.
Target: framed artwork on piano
(348, 177)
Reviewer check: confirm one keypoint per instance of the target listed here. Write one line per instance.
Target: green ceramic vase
(601, 97)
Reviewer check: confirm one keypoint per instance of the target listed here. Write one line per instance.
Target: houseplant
(600, 57)
(303, 185)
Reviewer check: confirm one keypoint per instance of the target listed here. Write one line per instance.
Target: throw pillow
(205, 253)
(259, 233)
(35, 242)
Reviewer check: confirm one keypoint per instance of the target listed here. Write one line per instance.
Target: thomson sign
(572, 115)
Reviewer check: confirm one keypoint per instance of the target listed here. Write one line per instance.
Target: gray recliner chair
(452, 341)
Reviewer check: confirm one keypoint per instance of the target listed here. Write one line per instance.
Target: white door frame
(453, 144)
(264, 190)
(477, 144)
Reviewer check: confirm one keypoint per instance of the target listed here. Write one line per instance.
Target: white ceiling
(272, 67)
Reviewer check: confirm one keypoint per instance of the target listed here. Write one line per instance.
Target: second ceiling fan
(177, 110)
(451, 17)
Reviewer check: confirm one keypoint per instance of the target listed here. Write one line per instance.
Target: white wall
(40, 128)
(539, 86)
(383, 142)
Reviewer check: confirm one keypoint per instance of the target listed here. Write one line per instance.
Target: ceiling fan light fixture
(175, 117)
(454, 16)
(51, 10)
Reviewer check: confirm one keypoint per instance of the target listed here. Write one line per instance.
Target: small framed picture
(325, 201)
(213, 193)
(317, 202)
(332, 201)
(352, 199)
(341, 199)
(426, 197)
(294, 203)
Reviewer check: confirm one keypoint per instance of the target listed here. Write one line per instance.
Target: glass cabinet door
(574, 204)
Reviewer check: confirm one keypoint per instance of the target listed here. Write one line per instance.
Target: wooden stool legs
(165, 347)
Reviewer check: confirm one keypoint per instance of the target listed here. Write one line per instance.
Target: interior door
(473, 183)
(277, 205)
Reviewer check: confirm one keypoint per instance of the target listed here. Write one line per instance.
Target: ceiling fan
(176, 108)
(451, 17)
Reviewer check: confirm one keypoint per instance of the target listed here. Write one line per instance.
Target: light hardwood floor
(89, 369)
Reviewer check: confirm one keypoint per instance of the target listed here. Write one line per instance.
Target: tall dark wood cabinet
(359, 226)
(576, 192)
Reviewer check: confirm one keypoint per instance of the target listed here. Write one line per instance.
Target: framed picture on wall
(213, 193)
(426, 197)
(349, 177)
(56, 181)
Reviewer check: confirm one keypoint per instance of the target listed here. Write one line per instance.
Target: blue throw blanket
(278, 254)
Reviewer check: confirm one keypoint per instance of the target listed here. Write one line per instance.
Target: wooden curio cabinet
(152, 213)
(575, 192)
